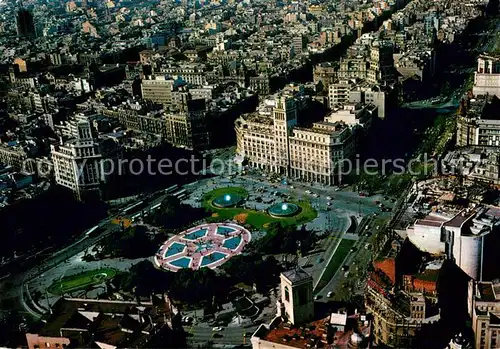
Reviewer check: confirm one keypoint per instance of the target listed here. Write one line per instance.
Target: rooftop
(315, 333)
(296, 275)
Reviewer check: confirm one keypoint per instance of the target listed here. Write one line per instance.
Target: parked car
(328, 197)
(217, 329)
(330, 294)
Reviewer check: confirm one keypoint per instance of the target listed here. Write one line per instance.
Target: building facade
(270, 139)
(487, 75)
(82, 162)
(480, 126)
(484, 309)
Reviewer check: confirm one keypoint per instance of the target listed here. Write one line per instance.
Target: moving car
(330, 294)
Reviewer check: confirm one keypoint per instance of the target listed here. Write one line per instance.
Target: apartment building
(158, 90)
(484, 309)
(480, 126)
(17, 156)
(325, 73)
(82, 161)
(487, 76)
(381, 63)
(191, 73)
(348, 92)
(270, 139)
(400, 309)
(187, 129)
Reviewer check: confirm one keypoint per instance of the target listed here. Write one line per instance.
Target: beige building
(481, 124)
(270, 139)
(324, 73)
(400, 312)
(187, 129)
(347, 92)
(15, 156)
(82, 160)
(484, 309)
(297, 296)
(487, 76)
(191, 73)
(297, 326)
(22, 64)
(381, 63)
(158, 90)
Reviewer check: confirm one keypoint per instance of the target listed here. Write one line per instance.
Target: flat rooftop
(489, 291)
(314, 334)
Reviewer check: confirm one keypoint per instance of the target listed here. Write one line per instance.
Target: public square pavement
(346, 208)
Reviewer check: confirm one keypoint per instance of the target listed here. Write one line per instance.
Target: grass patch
(335, 263)
(257, 219)
(81, 281)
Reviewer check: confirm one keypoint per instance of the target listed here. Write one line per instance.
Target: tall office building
(82, 161)
(25, 24)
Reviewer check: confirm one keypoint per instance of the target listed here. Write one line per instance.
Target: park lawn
(257, 219)
(81, 281)
(335, 263)
(340, 254)
(211, 195)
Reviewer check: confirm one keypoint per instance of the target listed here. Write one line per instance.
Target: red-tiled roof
(297, 337)
(388, 267)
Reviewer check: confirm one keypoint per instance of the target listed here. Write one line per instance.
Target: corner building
(270, 139)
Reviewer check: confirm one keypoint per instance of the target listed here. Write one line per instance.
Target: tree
(172, 214)
(133, 243)
(198, 286)
(144, 278)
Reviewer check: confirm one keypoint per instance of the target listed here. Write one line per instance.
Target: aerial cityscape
(250, 174)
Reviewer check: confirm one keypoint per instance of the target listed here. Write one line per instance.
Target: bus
(154, 207)
(131, 207)
(94, 231)
(137, 215)
(171, 188)
(177, 194)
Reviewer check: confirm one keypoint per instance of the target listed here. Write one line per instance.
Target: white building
(461, 236)
(487, 76)
(348, 92)
(82, 162)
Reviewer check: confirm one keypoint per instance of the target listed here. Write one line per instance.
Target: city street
(340, 213)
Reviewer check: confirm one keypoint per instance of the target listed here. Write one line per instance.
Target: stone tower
(284, 119)
(297, 296)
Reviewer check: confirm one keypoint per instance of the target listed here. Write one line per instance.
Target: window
(287, 294)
